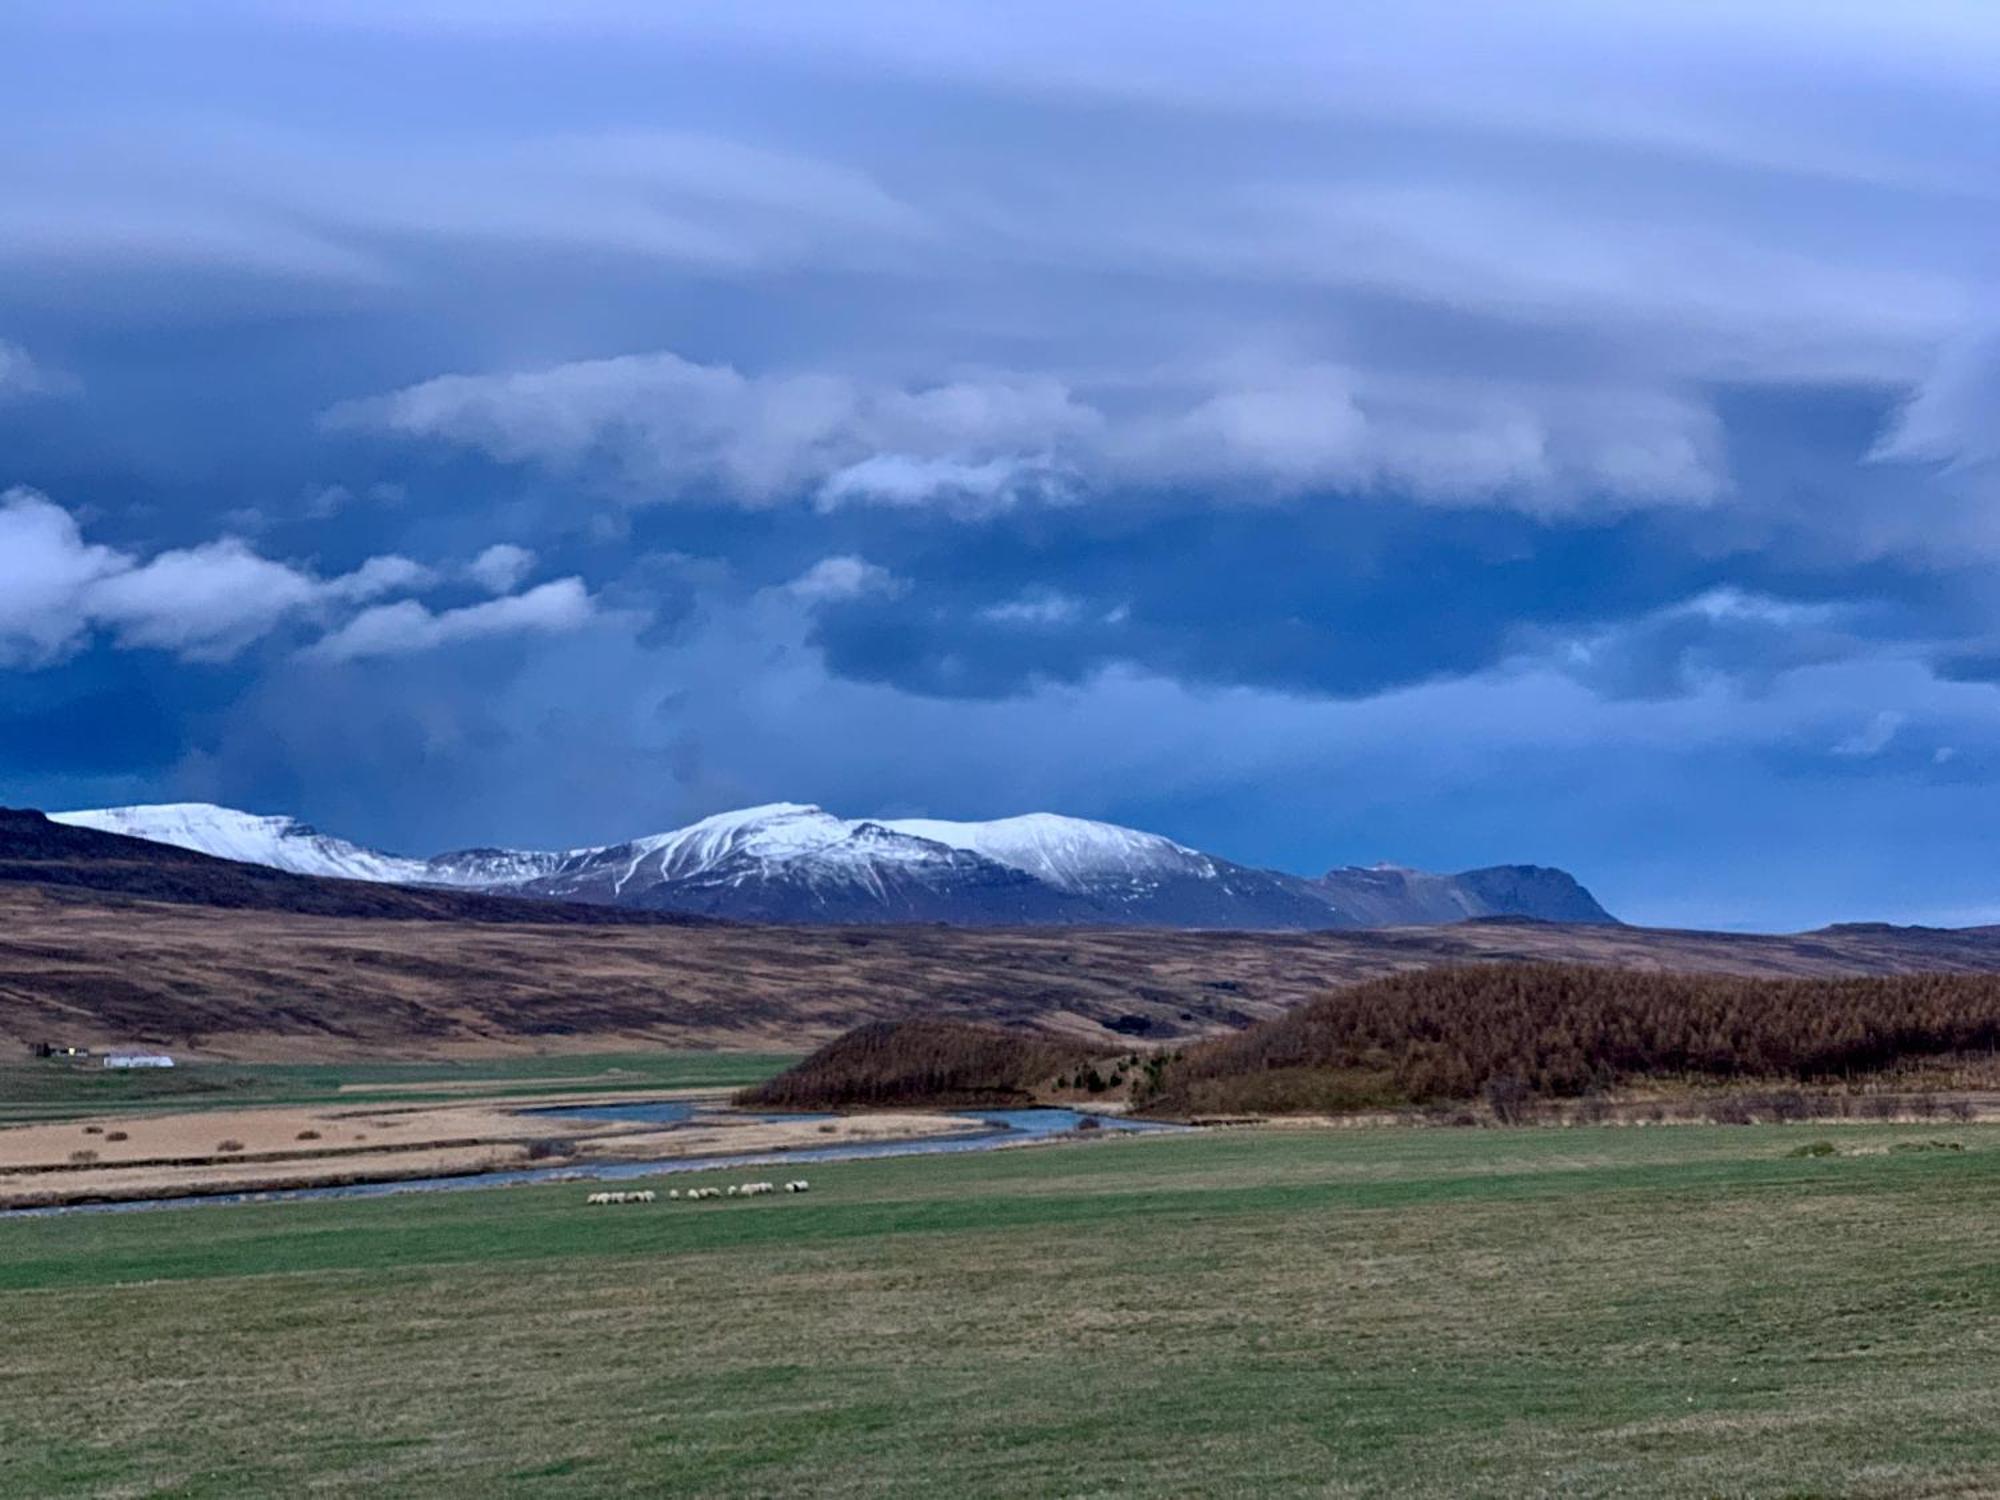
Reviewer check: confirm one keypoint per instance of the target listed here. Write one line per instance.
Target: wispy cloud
(1873, 738)
(838, 580)
(21, 375)
(407, 627)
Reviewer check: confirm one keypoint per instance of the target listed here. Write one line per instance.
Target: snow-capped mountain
(788, 862)
(1072, 854)
(280, 842)
(1129, 876)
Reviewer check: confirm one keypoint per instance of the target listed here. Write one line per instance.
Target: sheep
(800, 1186)
(642, 1195)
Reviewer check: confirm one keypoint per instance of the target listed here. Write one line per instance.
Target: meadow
(39, 1090)
(1695, 1311)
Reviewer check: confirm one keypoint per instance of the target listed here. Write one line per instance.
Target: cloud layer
(1407, 431)
(660, 427)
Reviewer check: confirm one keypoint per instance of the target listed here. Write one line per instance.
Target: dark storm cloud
(1333, 432)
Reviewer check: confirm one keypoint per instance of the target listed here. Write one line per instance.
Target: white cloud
(379, 576)
(669, 428)
(204, 602)
(1874, 737)
(1288, 427)
(406, 627)
(955, 485)
(45, 566)
(21, 375)
(501, 567)
(1953, 416)
(1038, 609)
(834, 580)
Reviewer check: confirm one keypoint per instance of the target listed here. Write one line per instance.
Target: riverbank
(180, 1154)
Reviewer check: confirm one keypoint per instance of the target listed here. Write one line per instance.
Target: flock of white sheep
(695, 1195)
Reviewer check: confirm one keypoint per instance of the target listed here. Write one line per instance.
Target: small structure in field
(137, 1060)
(59, 1049)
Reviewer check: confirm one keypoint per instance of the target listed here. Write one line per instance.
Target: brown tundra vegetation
(890, 1064)
(1523, 1031)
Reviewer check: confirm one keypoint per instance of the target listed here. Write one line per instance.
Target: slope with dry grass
(932, 1064)
(98, 969)
(1560, 1030)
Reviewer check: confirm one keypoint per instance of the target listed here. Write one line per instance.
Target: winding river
(1006, 1127)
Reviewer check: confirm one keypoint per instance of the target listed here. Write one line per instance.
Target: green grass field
(1681, 1311)
(32, 1091)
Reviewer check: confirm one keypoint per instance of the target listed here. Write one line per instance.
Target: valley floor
(1686, 1311)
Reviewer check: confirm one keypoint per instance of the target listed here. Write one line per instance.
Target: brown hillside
(1553, 1030)
(92, 968)
(892, 1064)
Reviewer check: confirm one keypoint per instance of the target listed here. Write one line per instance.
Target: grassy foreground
(43, 1090)
(1684, 1311)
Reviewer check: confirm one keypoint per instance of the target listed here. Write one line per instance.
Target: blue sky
(1427, 432)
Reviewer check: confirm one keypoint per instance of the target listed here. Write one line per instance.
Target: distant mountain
(787, 862)
(38, 851)
(1389, 896)
(1125, 876)
(279, 842)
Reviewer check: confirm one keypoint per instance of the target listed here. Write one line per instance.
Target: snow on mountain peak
(1071, 853)
(276, 840)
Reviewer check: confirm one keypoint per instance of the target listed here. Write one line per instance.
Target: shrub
(118, 1135)
(307, 1135)
(545, 1147)
(82, 1158)
(1788, 1106)
(1731, 1112)
(1507, 1096)
(225, 1147)
(890, 1064)
(1562, 1030)
(93, 1130)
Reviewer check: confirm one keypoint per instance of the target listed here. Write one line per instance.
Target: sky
(1426, 432)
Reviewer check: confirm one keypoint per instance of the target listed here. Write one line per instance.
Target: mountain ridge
(796, 862)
